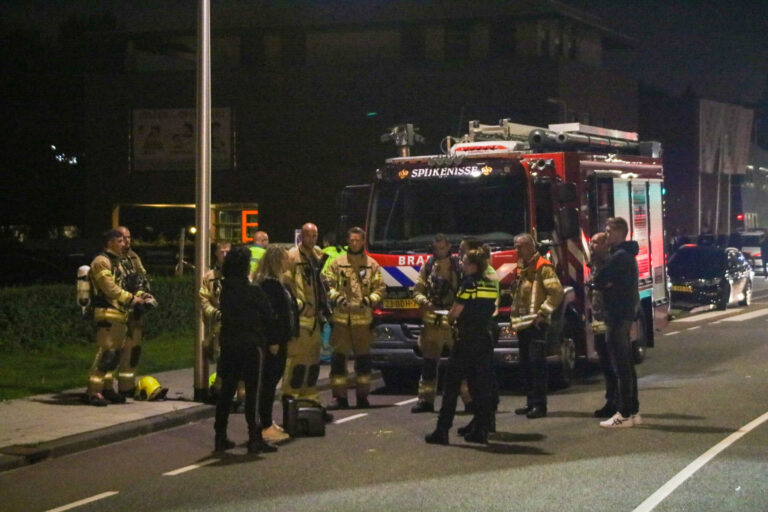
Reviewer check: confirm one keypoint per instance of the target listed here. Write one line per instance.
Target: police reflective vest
(257, 252)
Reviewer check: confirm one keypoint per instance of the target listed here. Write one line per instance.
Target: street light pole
(203, 190)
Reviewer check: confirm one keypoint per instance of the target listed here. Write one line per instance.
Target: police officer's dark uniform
(471, 358)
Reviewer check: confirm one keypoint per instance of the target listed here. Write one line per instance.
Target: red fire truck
(560, 184)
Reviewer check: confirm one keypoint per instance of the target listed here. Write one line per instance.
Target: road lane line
(190, 467)
(409, 401)
(83, 502)
(350, 418)
(746, 316)
(677, 480)
(693, 328)
(671, 333)
(703, 316)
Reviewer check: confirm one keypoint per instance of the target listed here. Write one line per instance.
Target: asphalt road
(706, 379)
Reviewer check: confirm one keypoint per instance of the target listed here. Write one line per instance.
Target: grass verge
(53, 370)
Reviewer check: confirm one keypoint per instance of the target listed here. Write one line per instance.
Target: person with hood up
(617, 281)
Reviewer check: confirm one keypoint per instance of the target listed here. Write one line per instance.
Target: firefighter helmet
(147, 388)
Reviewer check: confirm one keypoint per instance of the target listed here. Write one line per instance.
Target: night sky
(719, 48)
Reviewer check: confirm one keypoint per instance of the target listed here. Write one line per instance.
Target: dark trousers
(619, 348)
(274, 367)
(533, 359)
(237, 364)
(611, 382)
(471, 358)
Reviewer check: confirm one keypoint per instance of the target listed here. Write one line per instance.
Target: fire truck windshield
(406, 214)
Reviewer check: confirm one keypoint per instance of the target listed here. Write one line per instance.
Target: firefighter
(112, 304)
(260, 243)
(137, 283)
(472, 353)
(303, 275)
(537, 294)
(435, 291)
(355, 286)
(208, 295)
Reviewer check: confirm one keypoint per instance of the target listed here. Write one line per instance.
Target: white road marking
(677, 480)
(350, 418)
(746, 316)
(190, 467)
(703, 316)
(693, 328)
(409, 401)
(671, 333)
(84, 501)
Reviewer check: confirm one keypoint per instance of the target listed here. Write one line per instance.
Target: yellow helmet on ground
(147, 388)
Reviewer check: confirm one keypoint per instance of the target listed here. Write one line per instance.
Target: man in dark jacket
(617, 281)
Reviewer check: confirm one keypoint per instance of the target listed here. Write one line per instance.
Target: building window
(503, 39)
(412, 43)
(457, 41)
(294, 50)
(252, 52)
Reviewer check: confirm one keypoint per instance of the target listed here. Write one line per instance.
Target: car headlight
(710, 282)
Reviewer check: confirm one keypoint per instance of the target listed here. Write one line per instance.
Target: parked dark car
(709, 275)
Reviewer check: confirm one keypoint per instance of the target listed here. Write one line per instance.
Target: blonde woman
(270, 277)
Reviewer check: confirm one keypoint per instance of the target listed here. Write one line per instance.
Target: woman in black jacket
(246, 318)
(285, 321)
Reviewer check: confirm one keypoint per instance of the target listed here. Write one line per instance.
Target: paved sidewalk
(38, 427)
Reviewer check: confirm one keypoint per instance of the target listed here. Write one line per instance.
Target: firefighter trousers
(302, 364)
(129, 357)
(110, 338)
(355, 340)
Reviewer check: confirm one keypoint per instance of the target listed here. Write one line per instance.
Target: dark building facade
(309, 87)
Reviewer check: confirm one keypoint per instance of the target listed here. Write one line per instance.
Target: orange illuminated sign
(245, 224)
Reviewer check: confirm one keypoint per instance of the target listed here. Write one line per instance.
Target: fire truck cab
(560, 184)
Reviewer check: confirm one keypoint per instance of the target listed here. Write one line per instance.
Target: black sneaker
(537, 411)
(363, 403)
(476, 437)
(113, 396)
(437, 437)
(98, 400)
(423, 406)
(466, 429)
(522, 411)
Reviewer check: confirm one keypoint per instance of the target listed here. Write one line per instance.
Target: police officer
(260, 243)
(472, 353)
(537, 295)
(435, 290)
(355, 286)
(208, 295)
(136, 282)
(303, 275)
(112, 304)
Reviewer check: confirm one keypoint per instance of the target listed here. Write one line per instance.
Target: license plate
(400, 304)
(681, 288)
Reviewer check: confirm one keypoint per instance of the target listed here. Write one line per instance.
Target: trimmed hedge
(34, 318)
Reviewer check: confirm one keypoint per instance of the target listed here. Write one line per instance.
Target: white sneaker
(617, 421)
(637, 419)
(274, 435)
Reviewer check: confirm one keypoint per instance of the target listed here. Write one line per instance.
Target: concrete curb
(16, 456)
